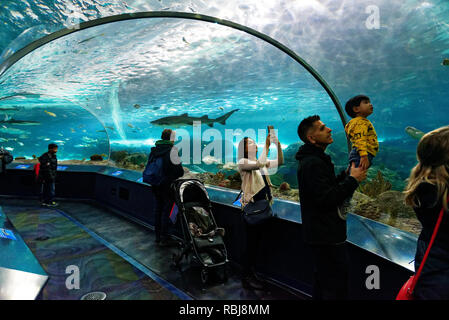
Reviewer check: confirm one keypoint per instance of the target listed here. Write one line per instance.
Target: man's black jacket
(6, 157)
(171, 170)
(320, 194)
(49, 165)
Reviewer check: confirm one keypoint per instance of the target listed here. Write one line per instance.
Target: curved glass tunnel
(130, 73)
(175, 68)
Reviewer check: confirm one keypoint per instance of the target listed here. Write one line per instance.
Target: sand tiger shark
(184, 119)
(9, 120)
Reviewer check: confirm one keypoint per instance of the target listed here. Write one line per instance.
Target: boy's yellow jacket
(363, 136)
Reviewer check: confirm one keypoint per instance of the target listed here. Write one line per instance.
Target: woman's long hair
(432, 167)
(242, 151)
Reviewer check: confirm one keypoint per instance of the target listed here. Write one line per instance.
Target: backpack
(36, 170)
(153, 173)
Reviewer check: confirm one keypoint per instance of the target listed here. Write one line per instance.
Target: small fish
(60, 134)
(86, 40)
(9, 149)
(137, 106)
(445, 62)
(73, 130)
(84, 130)
(101, 131)
(156, 108)
(221, 108)
(21, 144)
(211, 160)
(111, 128)
(130, 125)
(50, 113)
(184, 39)
(99, 108)
(47, 139)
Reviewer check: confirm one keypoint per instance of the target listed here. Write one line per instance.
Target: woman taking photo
(255, 186)
(427, 192)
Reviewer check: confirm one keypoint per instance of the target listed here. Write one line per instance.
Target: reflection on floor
(104, 270)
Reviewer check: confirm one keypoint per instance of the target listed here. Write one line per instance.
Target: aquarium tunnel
(103, 79)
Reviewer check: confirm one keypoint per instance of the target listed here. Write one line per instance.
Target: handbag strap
(238, 195)
(242, 190)
(435, 231)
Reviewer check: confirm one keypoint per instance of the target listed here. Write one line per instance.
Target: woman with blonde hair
(255, 186)
(427, 193)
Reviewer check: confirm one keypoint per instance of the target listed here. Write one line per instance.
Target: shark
(7, 109)
(185, 120)
(19, 122)
(12, 131)
(414, 133)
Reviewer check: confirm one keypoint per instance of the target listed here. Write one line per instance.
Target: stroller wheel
(204, 276)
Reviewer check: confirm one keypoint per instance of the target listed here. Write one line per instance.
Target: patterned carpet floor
(58, 243)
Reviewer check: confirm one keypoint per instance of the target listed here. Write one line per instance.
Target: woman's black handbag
(257, 212)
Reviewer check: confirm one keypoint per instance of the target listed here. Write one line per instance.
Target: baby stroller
(201, 236)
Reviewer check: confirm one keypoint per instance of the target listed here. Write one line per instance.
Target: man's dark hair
(52, 146)
(305, 125)
(354, 102)
(166, 134)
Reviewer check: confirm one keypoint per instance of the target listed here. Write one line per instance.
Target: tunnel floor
(116, 256)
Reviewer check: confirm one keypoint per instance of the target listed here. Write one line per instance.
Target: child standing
(363, 137)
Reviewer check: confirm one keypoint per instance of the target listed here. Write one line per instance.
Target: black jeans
(47, 191)
(254, 235)
(162, 209)
(433, 284)
(331, 272)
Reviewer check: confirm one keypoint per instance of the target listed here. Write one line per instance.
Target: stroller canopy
(192, 191)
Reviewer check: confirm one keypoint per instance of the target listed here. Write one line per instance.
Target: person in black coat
(321, 195)
(172, 170)
(5, 158)
(47, 175)
(427, 193)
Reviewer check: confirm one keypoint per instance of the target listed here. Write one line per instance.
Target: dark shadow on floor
(138, 242)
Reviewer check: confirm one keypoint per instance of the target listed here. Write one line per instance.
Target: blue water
(107, 83)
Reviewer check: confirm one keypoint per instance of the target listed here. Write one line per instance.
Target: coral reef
(284, 187)
(96, 157)
(119, 156)
(376, 186)
(388, 207)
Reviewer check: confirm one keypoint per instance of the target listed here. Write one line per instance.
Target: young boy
(361, 132)
(47, 175)
(363, 138)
